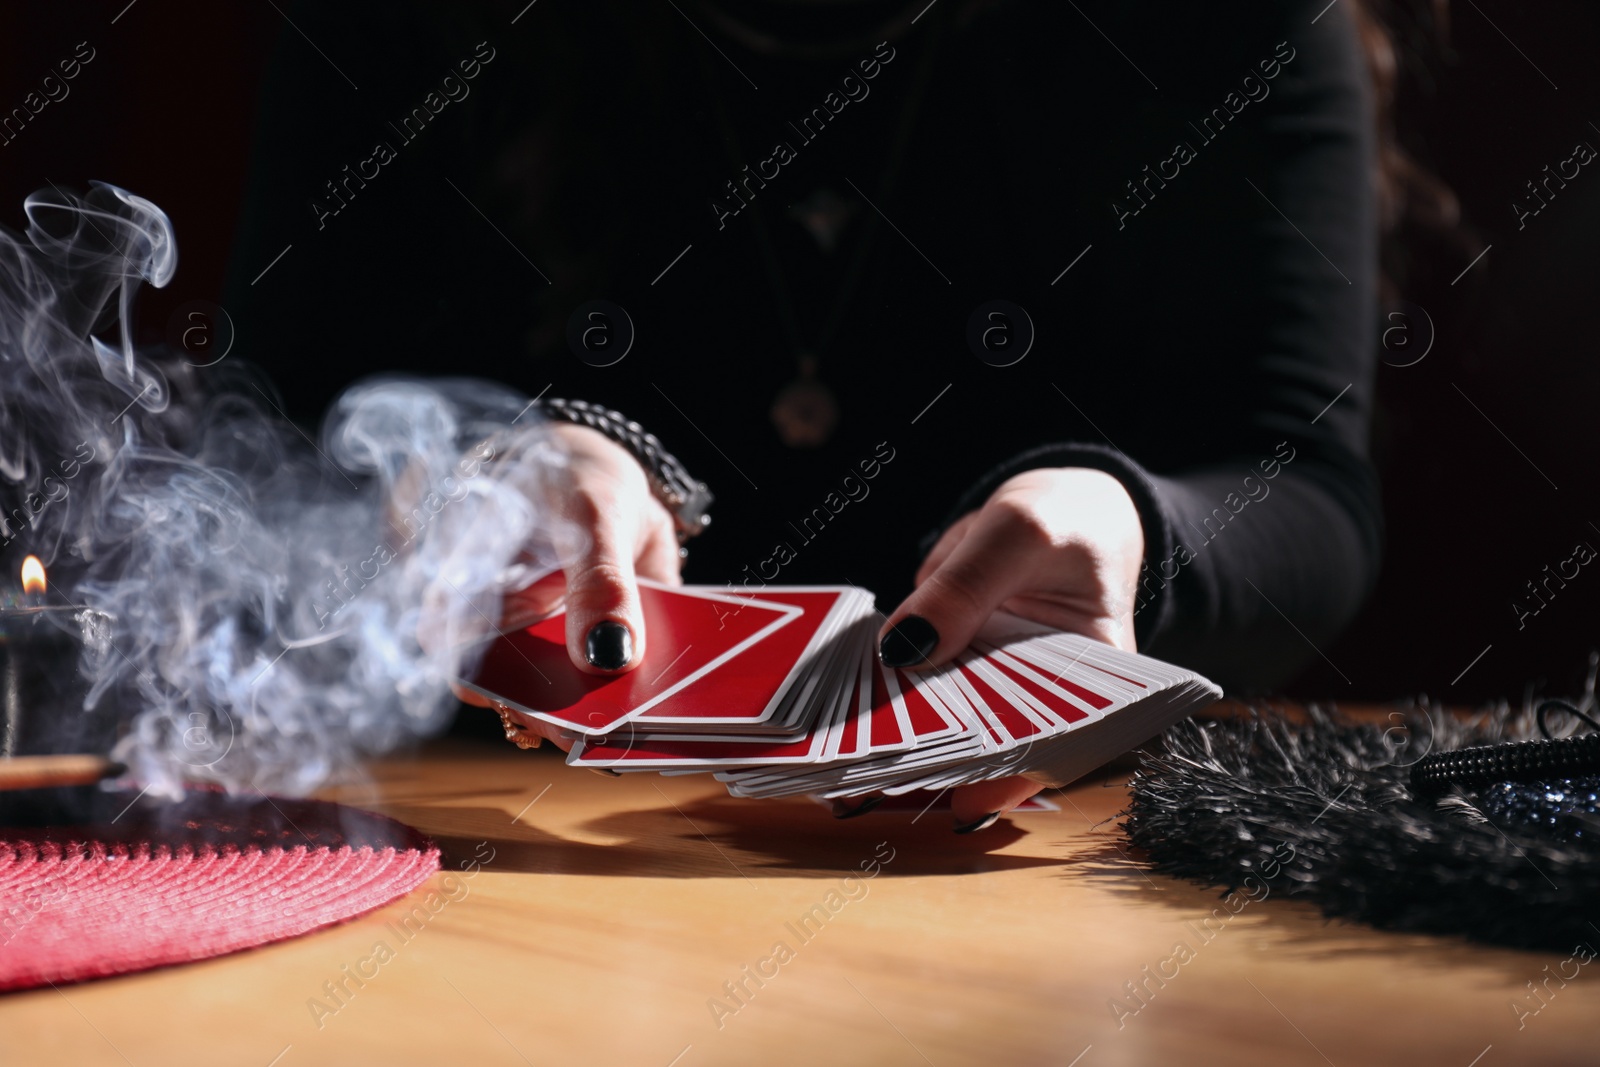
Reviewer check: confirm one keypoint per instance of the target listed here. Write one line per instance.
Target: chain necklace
(806, 411)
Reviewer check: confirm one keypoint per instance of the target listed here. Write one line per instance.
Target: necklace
(806, 411)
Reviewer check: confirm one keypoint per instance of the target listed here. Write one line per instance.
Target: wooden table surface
(607, 915)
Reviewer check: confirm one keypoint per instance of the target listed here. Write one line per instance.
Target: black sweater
(1181, 197)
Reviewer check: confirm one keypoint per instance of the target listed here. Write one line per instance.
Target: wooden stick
(44, 772)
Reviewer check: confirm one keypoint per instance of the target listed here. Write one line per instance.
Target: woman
(1088, 289)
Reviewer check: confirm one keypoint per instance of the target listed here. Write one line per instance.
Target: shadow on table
(721, 838)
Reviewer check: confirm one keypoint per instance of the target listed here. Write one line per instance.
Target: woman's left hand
(1061, 546)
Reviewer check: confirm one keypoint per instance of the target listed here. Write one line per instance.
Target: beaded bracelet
(1514, 761)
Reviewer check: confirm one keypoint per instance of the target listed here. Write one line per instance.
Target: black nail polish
(859, 809)
(609, 646)
(910, 642)
(982, 824)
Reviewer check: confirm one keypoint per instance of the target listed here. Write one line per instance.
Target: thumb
(946, 544)
(989, 564)
(605, 625)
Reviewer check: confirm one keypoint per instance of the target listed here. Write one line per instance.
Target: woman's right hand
(615, 530)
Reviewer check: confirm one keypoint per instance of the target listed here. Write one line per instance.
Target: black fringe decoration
(1323, 812)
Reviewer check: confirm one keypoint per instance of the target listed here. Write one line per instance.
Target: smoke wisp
(265, 589)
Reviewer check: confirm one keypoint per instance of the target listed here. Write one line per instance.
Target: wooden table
(608, 915)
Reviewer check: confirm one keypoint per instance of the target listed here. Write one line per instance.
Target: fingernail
(982, 824)
(911, 641)
(842, 810)
(609, 646)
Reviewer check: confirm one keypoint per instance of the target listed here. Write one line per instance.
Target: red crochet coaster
(209, 875)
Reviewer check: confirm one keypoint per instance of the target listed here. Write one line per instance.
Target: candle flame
(32, 576)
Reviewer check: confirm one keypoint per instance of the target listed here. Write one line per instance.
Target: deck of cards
(780, 692)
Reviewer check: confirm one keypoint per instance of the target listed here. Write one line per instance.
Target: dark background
(1484, 445)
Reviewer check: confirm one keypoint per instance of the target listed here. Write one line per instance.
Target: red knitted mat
(209, 875)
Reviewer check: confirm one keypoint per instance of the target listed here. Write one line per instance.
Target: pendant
(824, 214)
(805, 411)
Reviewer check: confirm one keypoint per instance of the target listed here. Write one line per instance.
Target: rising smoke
(265, 590)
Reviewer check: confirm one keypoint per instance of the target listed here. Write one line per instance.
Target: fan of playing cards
(780, 692)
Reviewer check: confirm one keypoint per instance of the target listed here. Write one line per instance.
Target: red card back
(685, 633)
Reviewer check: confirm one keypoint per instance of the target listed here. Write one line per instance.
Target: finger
(526, 725)
(979, 805)
(658, 557)
(469, 696)
(433, 624)
(449, 620)
(992, 562)
(531, 603)
(547, 731)
(945, 545)
(529, 732)
(850, 807)
(605, 627)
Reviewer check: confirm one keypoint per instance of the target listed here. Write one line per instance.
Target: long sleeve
(1264, 537)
